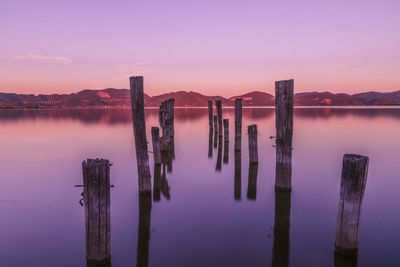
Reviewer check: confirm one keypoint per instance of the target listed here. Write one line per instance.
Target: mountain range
(121, 98)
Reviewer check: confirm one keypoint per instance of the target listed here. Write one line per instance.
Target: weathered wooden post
(226, 153)
(96, 183)
(280, 252)
(226, 130)
(142, 257)
(155, 135)
(238, 175)
(166, 118)
(352, 186)
(215, 123)
(210, 115)
(253, 150)
(284, 128)
(238, 124)
(139, 128)
(218, 104)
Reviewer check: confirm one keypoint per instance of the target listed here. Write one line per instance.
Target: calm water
(203, 218)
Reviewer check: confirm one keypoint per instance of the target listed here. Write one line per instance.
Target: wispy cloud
(132, 67)
(33, 56)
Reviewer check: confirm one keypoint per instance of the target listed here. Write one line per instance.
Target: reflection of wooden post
(219, 156)
(155, 135)
(343, 261)
(226, 152)
(280, 253)
(226, 131)
(157, 182)
(142, 257)
(252, 183)
(218, 104)
(210, 144)
(215, 123)
(96, 182)
(210, 115)
(238, 124)
(283, 176)
(238, 175)
(166, 118)
(352, 186)
(284, 132)
(253, 150)
(142, 156)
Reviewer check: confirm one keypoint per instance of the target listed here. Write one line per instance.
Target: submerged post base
(347, 252)
(99, 263)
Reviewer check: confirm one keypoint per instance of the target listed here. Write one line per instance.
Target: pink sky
(214, 47)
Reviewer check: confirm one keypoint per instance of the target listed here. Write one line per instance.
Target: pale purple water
(42, 223)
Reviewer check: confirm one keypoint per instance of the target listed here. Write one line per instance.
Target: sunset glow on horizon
(215, 47)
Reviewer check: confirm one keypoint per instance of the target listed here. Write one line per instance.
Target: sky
(215, 47)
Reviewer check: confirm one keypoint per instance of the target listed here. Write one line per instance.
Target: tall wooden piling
(155, 136)
(226, 130)
(284, 131)
(238, 124)
(281, 245)
(284, 113)
(352, 186)
(157, 182)
(210, 115)
(252, 182)
(253, 150)
(139, 128)
(96, 183)
(166, 118)
(238, 176)
(218, 104)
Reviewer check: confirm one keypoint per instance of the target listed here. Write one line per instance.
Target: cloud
(33, 56)
(138, 68)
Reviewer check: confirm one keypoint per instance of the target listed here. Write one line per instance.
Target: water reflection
(342, 261)
(210, 144)
(144, 229)
(238, 175)
(219, 156)
(252, 183)
(280, 252)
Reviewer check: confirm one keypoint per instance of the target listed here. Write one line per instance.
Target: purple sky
(213, 47)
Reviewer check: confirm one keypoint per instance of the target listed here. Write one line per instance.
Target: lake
(207, 215)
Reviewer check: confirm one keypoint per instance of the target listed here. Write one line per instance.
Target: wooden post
(280, 251)
(253, 150)
(238, 175)
(155, 135)
(226, 153)
(139, 128)
(215, 123)
(210, 115)
(284, 131)
(352, 186)
(142, 257)
(166, 118)
(96, 183)
(226, 130)
(238, 124)
(284, 113)
(215, 136)
(283, 175)
(218, 104)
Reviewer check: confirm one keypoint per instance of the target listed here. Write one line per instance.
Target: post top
(290, 80)
(96, 162)
(354, 157)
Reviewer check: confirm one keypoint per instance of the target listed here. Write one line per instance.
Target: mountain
(111, 97)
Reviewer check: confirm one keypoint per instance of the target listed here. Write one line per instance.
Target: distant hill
(111, 97)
